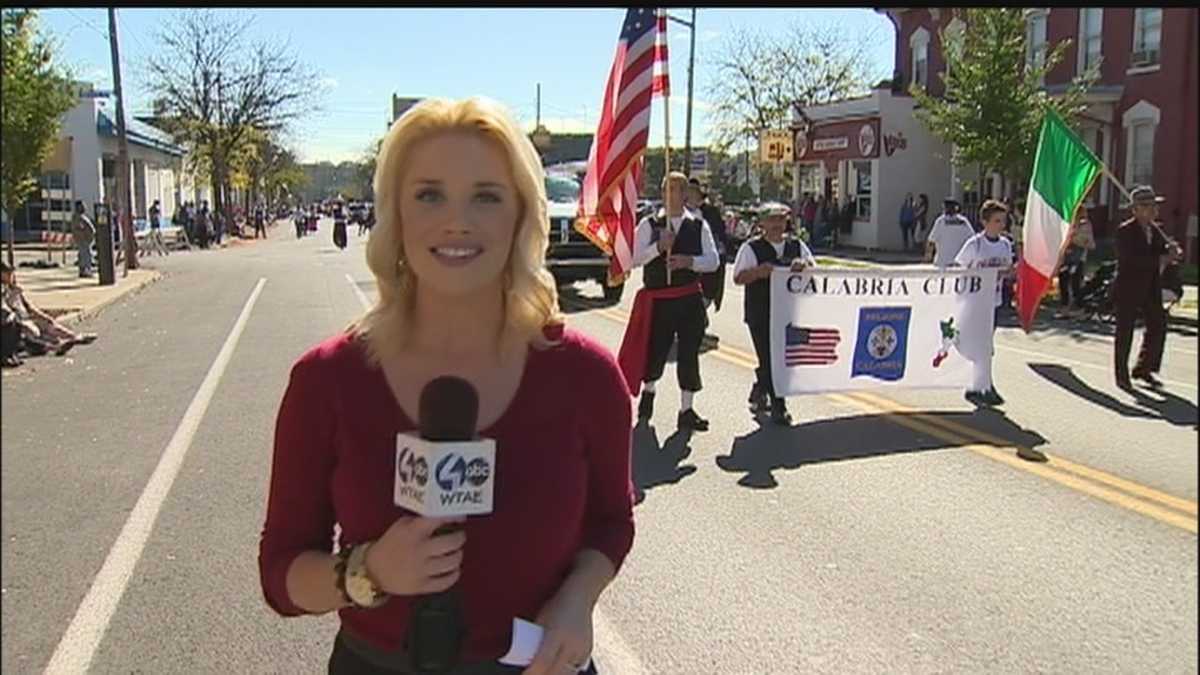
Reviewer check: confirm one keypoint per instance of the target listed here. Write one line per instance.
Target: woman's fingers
(444, 564)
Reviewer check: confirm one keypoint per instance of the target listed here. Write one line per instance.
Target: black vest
(758, 293)
(687, 242)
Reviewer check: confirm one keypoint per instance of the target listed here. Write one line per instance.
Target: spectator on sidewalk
(908, 221)
(1070, 275)
(203, 224)
(155, 235)
(39, 331)
(84, 232)
(260, 222)
(921, 221)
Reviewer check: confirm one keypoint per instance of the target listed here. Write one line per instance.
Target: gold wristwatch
(354, 582)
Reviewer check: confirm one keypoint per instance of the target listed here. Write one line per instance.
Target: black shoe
(1124, 384)
(976, 398)
(779, 412)
(688, 419)
(992, 397)
(758, 400)
(646, 406)
(1148, 377)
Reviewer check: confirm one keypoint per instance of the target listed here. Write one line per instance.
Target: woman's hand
(567, 642)
(409, 560)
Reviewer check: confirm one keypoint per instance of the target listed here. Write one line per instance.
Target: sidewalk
(63, 294)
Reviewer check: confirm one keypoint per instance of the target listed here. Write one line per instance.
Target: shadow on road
(656, 463)
(1080, 330)
(571, 301)
(1163, 404)
(759, 454)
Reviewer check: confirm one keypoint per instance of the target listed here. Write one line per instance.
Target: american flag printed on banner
(810, 346)
(608, 202)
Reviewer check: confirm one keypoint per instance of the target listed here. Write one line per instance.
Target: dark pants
(1070, 280)
(909, 233)
(760, 334)
(681, 318)
(260, 227)
(348, 660)
(1151, 311)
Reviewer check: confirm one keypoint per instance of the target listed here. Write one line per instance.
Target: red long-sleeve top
(562, 483)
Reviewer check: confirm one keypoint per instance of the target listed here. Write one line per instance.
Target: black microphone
(448, 412)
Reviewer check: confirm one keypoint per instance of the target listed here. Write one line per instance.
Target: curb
(75, 317)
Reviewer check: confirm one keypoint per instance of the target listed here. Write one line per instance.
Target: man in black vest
(675, 251)
(756, 261)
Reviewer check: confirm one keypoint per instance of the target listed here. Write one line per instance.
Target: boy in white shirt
(756, 261)
(988, 249)
(950, 231)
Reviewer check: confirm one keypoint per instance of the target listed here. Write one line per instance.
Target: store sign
(850, 139)
(894, 142)
(775, 145)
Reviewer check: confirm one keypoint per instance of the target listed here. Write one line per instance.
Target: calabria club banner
(914, 327)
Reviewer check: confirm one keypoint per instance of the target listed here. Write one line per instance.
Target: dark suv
(571, 256)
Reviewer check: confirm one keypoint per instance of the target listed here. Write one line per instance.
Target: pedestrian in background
(155, 237)
(950, 231)
(1070, 275)
(908, 219)
(83, 230)
(260, 222)
(921, 221)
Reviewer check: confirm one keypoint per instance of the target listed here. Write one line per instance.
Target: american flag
(810, 346)
(608, 202)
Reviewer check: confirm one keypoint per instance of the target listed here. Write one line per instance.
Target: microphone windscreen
(449, 409)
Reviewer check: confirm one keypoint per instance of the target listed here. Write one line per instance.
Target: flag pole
(1108, 174)
(667, 161)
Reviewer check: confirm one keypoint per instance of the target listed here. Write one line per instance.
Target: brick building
(1141, 118)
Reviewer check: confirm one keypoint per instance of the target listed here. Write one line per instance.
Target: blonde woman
(458, 256)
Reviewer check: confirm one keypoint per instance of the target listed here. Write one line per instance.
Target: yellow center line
(1127, 494)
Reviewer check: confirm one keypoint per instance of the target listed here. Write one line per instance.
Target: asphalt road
(896, 534)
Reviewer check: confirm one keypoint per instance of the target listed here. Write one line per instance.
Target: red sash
(635, 346)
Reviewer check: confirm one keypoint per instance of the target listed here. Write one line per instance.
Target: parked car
(571, 256)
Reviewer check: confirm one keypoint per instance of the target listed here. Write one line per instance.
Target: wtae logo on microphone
(462, 476)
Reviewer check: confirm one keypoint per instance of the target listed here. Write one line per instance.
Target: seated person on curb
(39, 330)
(756, 260)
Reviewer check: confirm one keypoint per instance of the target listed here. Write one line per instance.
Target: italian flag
(1064, 169)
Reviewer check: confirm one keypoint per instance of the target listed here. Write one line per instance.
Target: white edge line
(362, 297)
(615, 654)
(78, 645)
(1063, 359)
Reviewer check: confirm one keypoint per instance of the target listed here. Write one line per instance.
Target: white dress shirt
(645, 249)
(747, 258)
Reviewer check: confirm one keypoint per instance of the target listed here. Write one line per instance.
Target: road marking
(78, 645)
(1095, 366)
(1135, 497)
(362, 297)
(1096, 475)
(1006, 455)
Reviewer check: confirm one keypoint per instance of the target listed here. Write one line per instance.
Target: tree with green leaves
(994, 101)
(37, 91)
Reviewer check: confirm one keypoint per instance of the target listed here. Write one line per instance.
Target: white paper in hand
(527, 637)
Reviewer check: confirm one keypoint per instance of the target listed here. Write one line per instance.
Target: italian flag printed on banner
(1064, 169)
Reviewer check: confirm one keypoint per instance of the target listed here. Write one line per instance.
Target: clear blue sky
(364, 55)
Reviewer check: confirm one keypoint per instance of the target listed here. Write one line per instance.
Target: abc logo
(412, 469)
(453, 472)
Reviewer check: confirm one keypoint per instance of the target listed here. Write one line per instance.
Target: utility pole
(124, 201)
(687, 134)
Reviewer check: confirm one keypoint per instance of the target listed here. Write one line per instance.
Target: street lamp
(687, 137)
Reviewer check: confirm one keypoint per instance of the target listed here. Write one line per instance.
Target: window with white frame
(1142, 164)
(1141, 127)
(1147, 36)
(954, 31)
(918, 44)
(1035, 37)
(1091, 25)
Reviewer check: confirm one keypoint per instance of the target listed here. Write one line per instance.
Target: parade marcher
(83, 231)
(676, 246)
(461, 242)
(950, 231)
(339, 228)
(713, 282)
(990, 249)
(756, 261)
(1141, 247)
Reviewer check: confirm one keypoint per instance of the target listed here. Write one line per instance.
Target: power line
(89, 24)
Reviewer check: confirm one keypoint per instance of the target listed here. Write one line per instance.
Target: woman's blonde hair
(530, 295)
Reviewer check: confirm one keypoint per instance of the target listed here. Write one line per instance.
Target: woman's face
(458, 212)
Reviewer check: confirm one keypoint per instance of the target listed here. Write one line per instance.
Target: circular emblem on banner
(866, 140)
(881, 341)
(800, 144)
